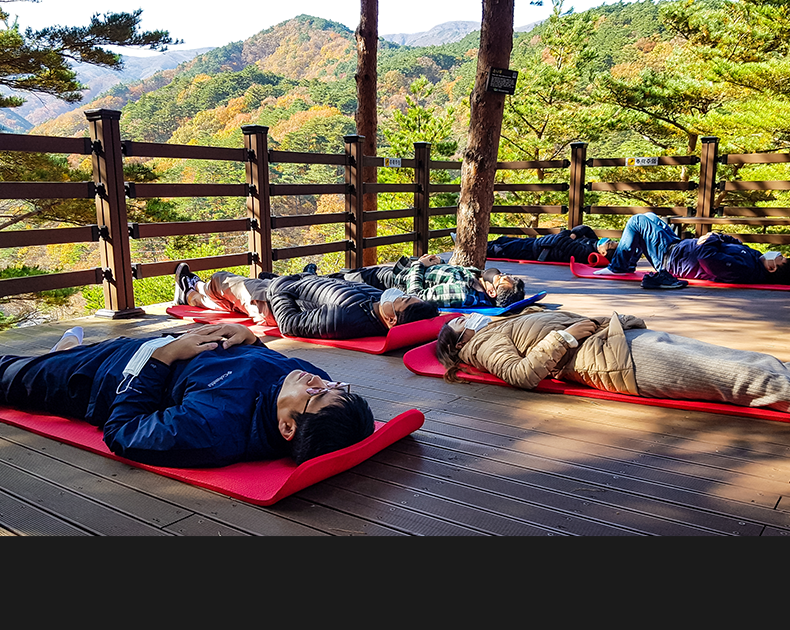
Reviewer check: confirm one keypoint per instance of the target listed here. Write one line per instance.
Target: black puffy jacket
(318, 307)
(550, 248)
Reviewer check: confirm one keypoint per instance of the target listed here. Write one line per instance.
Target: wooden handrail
(47, 190)
(109, 190)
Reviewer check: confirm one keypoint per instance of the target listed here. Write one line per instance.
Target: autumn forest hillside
(638, 78)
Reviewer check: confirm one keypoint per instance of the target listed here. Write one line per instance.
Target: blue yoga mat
(493, 311)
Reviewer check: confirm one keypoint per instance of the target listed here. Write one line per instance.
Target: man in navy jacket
(714, 257)
(211, 397)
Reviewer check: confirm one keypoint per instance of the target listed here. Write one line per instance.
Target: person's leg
(671, 366)
(62, 382)
(232, 293)
(643, 234)
(379, 276)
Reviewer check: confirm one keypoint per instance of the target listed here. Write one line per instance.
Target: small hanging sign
(392, 162)
(641, 161)
(501, 80)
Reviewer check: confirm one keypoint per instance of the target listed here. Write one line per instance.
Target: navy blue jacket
(721, 258)
(319, 307)
(215, 409)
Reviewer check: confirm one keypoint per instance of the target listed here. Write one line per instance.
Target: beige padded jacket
(525, 349)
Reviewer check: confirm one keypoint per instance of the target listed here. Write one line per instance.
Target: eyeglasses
(317, 391)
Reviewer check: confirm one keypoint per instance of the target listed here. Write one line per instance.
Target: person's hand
(201, 339)
(703, 238)
(429, 260)
(772, 263)
(234, 334)
(582, 330)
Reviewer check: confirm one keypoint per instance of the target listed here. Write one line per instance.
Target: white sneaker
(605, 271)
(72, 337)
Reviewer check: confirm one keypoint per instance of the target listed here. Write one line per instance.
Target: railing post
(576, 185)
(354, 200)
(706, 193)
(116, 259)
(422, 196)
(258, 200)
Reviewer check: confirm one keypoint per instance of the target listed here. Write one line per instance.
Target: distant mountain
(42, 107)
(445, 33)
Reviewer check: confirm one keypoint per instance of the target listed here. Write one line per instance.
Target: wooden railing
(113, 232)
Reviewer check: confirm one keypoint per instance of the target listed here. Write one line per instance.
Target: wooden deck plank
(398, 519)
(19, 518)
(439, 508)
(71, 506)
(589, 479)
(195, 525)
(671, 471)
(659, 515)
(102, 490)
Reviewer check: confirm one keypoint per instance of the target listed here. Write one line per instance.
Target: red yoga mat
(586, 271)
(397, 337)
(260, 483)
(594, 260)
(423, 361)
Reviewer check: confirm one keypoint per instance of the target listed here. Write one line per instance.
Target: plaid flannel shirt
(447, 286)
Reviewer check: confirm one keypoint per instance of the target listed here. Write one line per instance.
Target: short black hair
(506, 295)
(781, 275)
(345, 421)
(417, 311)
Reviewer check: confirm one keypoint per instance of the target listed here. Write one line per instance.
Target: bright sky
(202, 24)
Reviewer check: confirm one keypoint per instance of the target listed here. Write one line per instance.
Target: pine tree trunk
(485, 125)
(367, 36)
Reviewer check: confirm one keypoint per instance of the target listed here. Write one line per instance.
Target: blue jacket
(215, 409)
(721, 258)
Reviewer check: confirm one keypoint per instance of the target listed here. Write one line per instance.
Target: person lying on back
(304, 304)
(578, 242)
(211, 397)
(715, 257)
(447, 286)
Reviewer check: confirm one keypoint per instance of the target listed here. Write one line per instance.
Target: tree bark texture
(367, 36)
(478, 168)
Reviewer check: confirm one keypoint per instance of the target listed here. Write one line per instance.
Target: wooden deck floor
(488, 461)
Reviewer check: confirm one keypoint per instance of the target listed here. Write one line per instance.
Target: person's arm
(583, 231)
(502, 358)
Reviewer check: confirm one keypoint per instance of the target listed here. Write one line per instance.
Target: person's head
(406, 309)
(606, 247)
(780, 275)
(452, 337)
(318, 416)
(503, 288)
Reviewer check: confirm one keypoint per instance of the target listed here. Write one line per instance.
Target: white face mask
(771, 255)
(477, 321)
(390, 295)
(138, 361)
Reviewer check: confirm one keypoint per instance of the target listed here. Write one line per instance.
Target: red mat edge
(581, 270)
(553, 386)
(87, 437)
(528, 262)
(370, 345)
